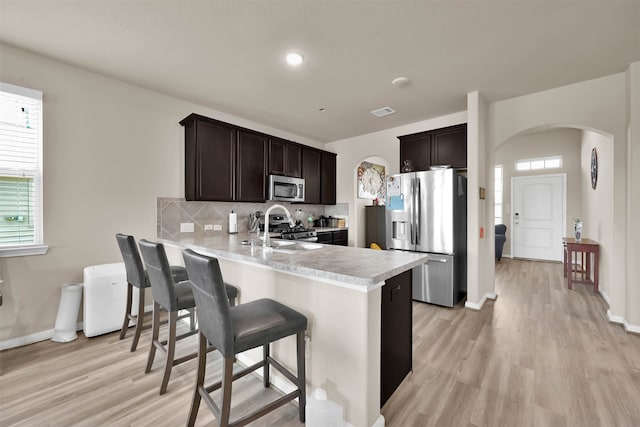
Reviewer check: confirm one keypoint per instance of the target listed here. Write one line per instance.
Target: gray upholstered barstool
(137, 276)
(172, 298)
(232, 330)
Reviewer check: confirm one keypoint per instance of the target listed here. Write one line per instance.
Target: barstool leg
(265, 357)
(227, 382)
(302, 399)
(154, 336)
(127, 310)
(171, 349)
(139, 319)
(202, 365)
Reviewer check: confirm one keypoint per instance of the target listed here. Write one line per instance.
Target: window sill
(13, 251)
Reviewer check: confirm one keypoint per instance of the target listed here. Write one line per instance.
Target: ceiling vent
(384, 111)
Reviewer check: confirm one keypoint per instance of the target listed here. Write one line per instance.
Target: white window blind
(20, 166)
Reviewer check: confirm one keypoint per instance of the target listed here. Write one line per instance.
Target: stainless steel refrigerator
(427, 212)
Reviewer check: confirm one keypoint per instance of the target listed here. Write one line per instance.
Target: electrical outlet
(217, 227)
(208, 227)
(187, 227)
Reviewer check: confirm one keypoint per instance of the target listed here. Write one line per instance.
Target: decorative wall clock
(594, 168)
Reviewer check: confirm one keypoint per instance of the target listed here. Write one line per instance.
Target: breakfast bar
(338, 288)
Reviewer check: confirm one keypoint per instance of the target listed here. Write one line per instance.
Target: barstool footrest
(284, 371)
(265, 409)
(241, 373)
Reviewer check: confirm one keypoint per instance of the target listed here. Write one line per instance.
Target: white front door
(538, 216)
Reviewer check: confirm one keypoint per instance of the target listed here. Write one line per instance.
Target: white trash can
(322, 412)
(65, 329)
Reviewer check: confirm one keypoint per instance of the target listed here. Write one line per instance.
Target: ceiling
(229, 55)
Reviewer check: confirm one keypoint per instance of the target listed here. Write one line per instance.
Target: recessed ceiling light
(322, 110)
(400, 81)
(384, 111)
(294, 59)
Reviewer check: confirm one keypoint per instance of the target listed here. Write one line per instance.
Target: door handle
(395, 291)
(417, 209)
(412, 213)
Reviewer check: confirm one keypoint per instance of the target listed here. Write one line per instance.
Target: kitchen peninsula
(339, 289)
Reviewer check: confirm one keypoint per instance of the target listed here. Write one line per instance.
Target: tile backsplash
(173, 211)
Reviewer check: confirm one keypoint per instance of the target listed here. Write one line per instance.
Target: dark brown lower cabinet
(341, 237)
(338, 237)
(396, 335)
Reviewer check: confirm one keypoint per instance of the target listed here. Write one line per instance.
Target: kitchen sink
(281, 243)
(285, 246)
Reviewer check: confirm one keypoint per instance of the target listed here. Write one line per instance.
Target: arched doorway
(573, 144)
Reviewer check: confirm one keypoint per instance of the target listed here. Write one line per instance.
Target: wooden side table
(584, 250)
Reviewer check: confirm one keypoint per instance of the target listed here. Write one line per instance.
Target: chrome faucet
(267, 242)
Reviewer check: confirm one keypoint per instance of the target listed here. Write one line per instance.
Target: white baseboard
(618, 319)
(621, 320)
(45, 335)
(31, 338)
(380, 422)
(478, 306)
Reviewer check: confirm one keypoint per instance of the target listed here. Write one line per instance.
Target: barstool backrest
(212, 303)
(132, 261)
(159, 271)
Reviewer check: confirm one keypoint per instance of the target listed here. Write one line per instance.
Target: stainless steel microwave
(286, 189)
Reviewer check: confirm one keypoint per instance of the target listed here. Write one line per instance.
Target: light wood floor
(539, 355)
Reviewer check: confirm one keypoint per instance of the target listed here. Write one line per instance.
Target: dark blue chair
(501, 237)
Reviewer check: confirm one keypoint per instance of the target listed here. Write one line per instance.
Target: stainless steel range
(299, 233)
(280, 224)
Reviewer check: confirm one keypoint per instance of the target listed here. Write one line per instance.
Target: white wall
(109, 150)
(480, 232)
(545, 143)
(383, 145)
(597, 205)
(632, 303)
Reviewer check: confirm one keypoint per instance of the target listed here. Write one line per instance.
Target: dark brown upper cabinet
(449, 146)
(319, 173)
(251, 179)
(285, 158)
(328, 178)
(210, 154)
(446, 146)
(311, 160)
(224, 162)
(416, 150)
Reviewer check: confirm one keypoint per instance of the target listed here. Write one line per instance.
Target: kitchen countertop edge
(343, 270)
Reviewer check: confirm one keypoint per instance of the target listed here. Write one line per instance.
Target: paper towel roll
(233, 223)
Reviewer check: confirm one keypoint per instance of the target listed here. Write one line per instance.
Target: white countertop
(364, 268)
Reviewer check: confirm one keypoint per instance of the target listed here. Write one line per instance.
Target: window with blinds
(20, 166)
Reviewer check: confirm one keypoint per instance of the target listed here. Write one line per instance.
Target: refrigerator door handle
(412, 224)
(417, 209)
